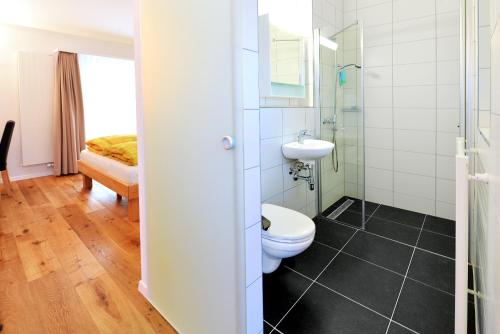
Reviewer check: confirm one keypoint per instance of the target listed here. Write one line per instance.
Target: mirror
(285, 49)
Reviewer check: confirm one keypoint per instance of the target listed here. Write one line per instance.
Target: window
(108, 88)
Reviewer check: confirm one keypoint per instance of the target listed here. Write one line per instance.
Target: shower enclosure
(339, 97)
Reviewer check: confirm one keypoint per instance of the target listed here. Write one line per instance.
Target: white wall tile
(415, 97)
(378, 97)
(445, 210)
(249, 25)
(379, 138)
(415, 74)
(377, 35)
(252, 196)
(415, 52)
(448, 73)
(415, 163)
(272, 182)
(381, 196)
(271, 153)
(369, 3)
(296, 197)
(415, 119)
(445, 191)
(378, 56)
(415, 185)
(254, 313)
(446, 143)
(448, 24)
(379, 178)
(253, 253)
(415, 30)
(379, 158)
(378, 117)
(448, 48)
(276, 200)
(349, 5)
(378, 76)
(445, 167)
(250, 80)
(294, 120)
(444, 6)
(271, 123)
(413, 203)
(448, 96)
(251, 138)
(376, 15)
(415, 141)
(484, 49)
(410, 9)
(484, 94)
(311, 121)
(448, 120)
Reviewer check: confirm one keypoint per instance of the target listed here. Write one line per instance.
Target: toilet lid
(287, 224)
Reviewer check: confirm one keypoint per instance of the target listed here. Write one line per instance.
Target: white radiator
(462, 237)
(36, 86)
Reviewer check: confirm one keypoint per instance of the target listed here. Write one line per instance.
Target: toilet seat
(287, 226)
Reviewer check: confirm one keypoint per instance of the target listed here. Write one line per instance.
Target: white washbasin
(311, 149)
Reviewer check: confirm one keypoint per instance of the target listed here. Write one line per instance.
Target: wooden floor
(70, 262)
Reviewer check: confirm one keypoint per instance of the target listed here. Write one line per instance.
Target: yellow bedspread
(121, 147)
(124, 152)
(100, 145)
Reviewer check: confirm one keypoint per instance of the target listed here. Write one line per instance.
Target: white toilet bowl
(290, 234)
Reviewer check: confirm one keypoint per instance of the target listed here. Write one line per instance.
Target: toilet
(289, 234)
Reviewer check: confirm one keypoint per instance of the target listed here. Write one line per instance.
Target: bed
(120, 178)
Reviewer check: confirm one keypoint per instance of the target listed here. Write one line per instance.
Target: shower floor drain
(338, 211)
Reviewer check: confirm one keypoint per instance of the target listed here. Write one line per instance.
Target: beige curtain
(69, 133)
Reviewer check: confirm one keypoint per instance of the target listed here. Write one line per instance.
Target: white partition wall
(200, 232)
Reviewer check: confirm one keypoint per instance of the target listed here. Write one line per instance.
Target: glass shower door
(340, 100)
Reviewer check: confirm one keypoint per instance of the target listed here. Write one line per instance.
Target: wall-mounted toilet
(289, 234)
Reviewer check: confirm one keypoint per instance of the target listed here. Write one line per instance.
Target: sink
(311, 149)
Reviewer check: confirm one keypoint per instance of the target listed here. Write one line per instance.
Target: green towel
(342, 78)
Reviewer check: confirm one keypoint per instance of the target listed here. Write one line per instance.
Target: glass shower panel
(341, 119)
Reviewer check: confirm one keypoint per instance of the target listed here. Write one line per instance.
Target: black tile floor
(397, 276)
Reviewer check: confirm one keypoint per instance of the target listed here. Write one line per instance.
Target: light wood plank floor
(70, 262)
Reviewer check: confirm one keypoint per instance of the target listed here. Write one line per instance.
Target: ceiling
(103, 19)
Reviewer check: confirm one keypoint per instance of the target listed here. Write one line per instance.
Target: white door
(192, 229)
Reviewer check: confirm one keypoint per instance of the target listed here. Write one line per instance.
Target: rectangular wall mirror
(285, 52)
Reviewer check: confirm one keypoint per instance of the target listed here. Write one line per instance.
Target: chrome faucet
(302, 135)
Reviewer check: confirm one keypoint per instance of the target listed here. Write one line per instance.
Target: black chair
(4, 152)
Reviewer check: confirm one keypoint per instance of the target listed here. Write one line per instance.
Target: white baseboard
(143, 289)
(31, 176)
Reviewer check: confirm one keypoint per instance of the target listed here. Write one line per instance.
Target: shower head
(340, 67)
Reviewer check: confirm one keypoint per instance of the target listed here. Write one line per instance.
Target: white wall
(281, 125)
(411, 101)
(14, 39)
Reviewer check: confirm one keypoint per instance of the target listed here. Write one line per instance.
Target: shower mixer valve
(299, 168)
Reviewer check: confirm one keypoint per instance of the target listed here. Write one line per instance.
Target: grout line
(397, 241)
(354, 301)
(377, 265)
(274, 329)
(430, 286)
(408, 328)
(314, 281)
(404, 280)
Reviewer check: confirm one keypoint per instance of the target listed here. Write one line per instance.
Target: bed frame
(130, 191)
